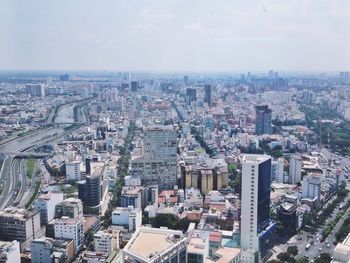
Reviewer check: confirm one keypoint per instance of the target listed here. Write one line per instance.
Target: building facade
(255, 206)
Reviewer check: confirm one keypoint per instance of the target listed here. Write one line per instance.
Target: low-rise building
(106, 241)
(68, 228)
(128, 217)
(71, 207)
(18, 224)
(10, 252)
(46, 204)
(155, 245)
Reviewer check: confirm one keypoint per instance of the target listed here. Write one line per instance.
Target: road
(11, 171)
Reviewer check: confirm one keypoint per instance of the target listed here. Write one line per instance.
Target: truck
(307, 246)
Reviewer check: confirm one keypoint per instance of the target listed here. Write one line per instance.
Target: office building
(46, 204)
(311, 186)
(295, 169)
(287, 216)
(131, 196)
(155, 245)
(208, 95)
(10, 252)
(128, 217)
(277, 170)
(36, 90)
(106, 241)
(71, 207)
(68, 228)
(344, 76)
(134, 85)
(185, 79)
(191, 95)
(42, 250)
(73, 170)
(255, 205)
(263, 120)
(89, 190)
(64, 77)
(18, 224)
(157, 164)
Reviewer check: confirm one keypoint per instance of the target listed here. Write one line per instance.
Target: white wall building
(10, 252)
(155, 245)
(106, 241)
(311, 186)
(128, 217)
(73, 170)
(295, 169)
(46, 204)
(157, 164)
(69, 228)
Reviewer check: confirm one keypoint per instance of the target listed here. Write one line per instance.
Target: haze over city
(175, 35)
(174, 131)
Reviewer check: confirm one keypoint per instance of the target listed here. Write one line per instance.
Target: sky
(175, 35)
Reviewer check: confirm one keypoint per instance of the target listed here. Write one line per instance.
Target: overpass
(27, 154)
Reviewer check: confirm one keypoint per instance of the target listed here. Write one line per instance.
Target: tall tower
(263, 120)
(207, 95)
(255, 206)
(158, 163)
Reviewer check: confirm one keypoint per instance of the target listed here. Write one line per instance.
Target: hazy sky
(175, 35)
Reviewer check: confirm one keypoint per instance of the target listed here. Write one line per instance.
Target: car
(328, 245)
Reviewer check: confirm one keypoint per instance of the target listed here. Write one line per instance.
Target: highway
(13, 178)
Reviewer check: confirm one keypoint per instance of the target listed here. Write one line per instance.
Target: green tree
(293, 250)
(324, 258)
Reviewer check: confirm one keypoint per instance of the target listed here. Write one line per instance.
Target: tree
(293, 250)
(302, 260)
(324, 258)
(284, 257)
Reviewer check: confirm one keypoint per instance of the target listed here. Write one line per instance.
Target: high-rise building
(185, 79)
(344, 76)
(294, 169)
(37, 90)
(263, 120)
(311, 186)
(46, 204)
(10, 252)
(20, 224)
(277, 170)
(157, 164)
(134, 85)
(191, 95)
(89, 190)
(73, 170)
(208, 95)
(64, 77)
(255, 205)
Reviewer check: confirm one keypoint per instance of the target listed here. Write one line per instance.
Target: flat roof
(227, 254)
(148, 242)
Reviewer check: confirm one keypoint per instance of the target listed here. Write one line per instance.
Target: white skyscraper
(295, 169)
(255, 206)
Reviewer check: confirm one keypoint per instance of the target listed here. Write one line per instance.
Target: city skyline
(175, 35)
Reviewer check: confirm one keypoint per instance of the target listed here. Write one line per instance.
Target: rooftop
(148, 242)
